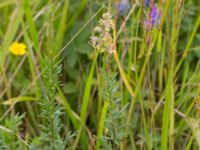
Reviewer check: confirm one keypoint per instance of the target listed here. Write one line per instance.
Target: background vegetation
(126, 84)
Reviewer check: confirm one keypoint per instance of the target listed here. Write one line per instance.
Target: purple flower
(146, 3)
(123, 7)
(155, 17)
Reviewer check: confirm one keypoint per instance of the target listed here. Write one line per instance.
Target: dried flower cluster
(102, 39)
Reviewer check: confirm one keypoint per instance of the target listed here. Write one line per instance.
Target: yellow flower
(18, 48)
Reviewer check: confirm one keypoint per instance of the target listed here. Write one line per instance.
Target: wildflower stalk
(111, 104)
(139, 84)
(112, 113)
(151, 39)
(103, 41)
(51, 111)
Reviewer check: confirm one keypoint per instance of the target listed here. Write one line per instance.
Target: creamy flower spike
(18, 48)
(102, 39)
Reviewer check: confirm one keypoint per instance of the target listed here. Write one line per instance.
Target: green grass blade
(62, 25)
(31, 24)
(68, 108)
(101, 124)
(166, 118)
(19, 99)
(87, 92)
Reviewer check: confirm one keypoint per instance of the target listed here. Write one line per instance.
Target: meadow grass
(100, 74)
